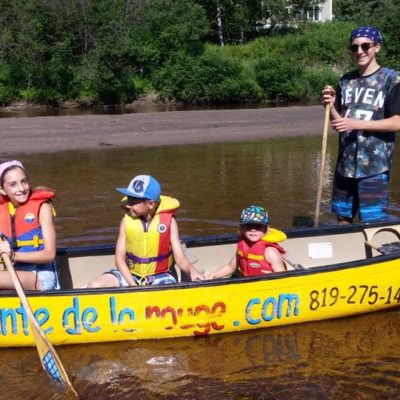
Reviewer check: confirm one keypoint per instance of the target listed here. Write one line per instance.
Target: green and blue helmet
(254, 215)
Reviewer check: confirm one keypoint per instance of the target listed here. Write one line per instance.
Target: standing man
(366, 113)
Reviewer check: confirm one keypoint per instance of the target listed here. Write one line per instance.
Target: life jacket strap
(147, 260)
(143, 280)
(251, 256)
(11, 208)
(35, 242)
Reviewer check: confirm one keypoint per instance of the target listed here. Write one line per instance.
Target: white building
(322, 13)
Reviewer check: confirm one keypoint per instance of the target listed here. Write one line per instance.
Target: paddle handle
(322, 165)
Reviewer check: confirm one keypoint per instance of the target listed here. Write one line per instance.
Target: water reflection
(350, 358)
(213, 183)
(141, 106)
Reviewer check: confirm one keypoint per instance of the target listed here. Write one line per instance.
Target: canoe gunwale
(217, 282)
(229, 238)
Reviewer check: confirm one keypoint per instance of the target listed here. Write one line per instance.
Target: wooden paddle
(322, 166)
(51, 363)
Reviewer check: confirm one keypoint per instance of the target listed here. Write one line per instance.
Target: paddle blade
(50, 366)
(50, 361)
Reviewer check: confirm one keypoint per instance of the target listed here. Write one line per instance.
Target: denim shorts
(48, 280)
(46, 274)
(164, 278)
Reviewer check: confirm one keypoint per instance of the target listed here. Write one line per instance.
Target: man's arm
(391, 124)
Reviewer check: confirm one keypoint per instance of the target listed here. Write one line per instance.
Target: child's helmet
(254, 215)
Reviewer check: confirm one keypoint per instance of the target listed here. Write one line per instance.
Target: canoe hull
(196, 309)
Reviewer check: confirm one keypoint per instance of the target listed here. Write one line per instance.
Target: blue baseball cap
(254, 215)
(142, 187)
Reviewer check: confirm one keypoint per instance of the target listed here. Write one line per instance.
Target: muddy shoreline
(59, 133)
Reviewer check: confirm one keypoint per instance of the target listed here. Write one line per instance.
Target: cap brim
(254, 223)
(127, 192)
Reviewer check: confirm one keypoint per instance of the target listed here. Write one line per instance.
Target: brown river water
(354, 358)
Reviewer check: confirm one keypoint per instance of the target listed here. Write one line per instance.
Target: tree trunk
(219, 24)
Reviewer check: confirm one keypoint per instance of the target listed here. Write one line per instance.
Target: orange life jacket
(251, 259)
(21, 225)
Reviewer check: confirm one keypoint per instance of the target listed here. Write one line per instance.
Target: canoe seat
(384, 240)
(291, 263)
(386, 248)
(370, 233)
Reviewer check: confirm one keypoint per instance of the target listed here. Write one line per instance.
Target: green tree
(351, 10)
(236, 21)
(52, 50)
(388, 22)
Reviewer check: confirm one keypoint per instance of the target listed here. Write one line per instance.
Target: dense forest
(210, 51)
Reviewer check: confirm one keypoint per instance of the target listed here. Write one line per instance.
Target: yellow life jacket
(274, 236)
(148, 248)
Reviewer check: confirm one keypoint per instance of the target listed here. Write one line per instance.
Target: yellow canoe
(331, 272)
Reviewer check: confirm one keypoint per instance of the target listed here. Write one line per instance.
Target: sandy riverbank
(51, 134)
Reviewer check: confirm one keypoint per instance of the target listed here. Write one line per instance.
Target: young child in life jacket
(28, 233)
(257, 252)
(148, 243)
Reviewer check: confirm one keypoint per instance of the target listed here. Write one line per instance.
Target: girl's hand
(5, 248)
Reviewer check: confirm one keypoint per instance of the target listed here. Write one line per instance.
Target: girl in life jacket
(28, 234)
(257, 251)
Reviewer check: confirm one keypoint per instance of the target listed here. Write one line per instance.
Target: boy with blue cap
(365, 110)
(148, 243)
(258, 252)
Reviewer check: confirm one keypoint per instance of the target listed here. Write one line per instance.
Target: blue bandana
(369, 32)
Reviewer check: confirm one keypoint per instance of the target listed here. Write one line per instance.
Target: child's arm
(274, 257)
(120, 254)
(224, 271)
(181, 260)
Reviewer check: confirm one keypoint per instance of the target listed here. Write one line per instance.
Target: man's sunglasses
(364, 47)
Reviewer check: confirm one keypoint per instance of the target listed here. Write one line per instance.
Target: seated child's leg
(111, 278)
(161, 279)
